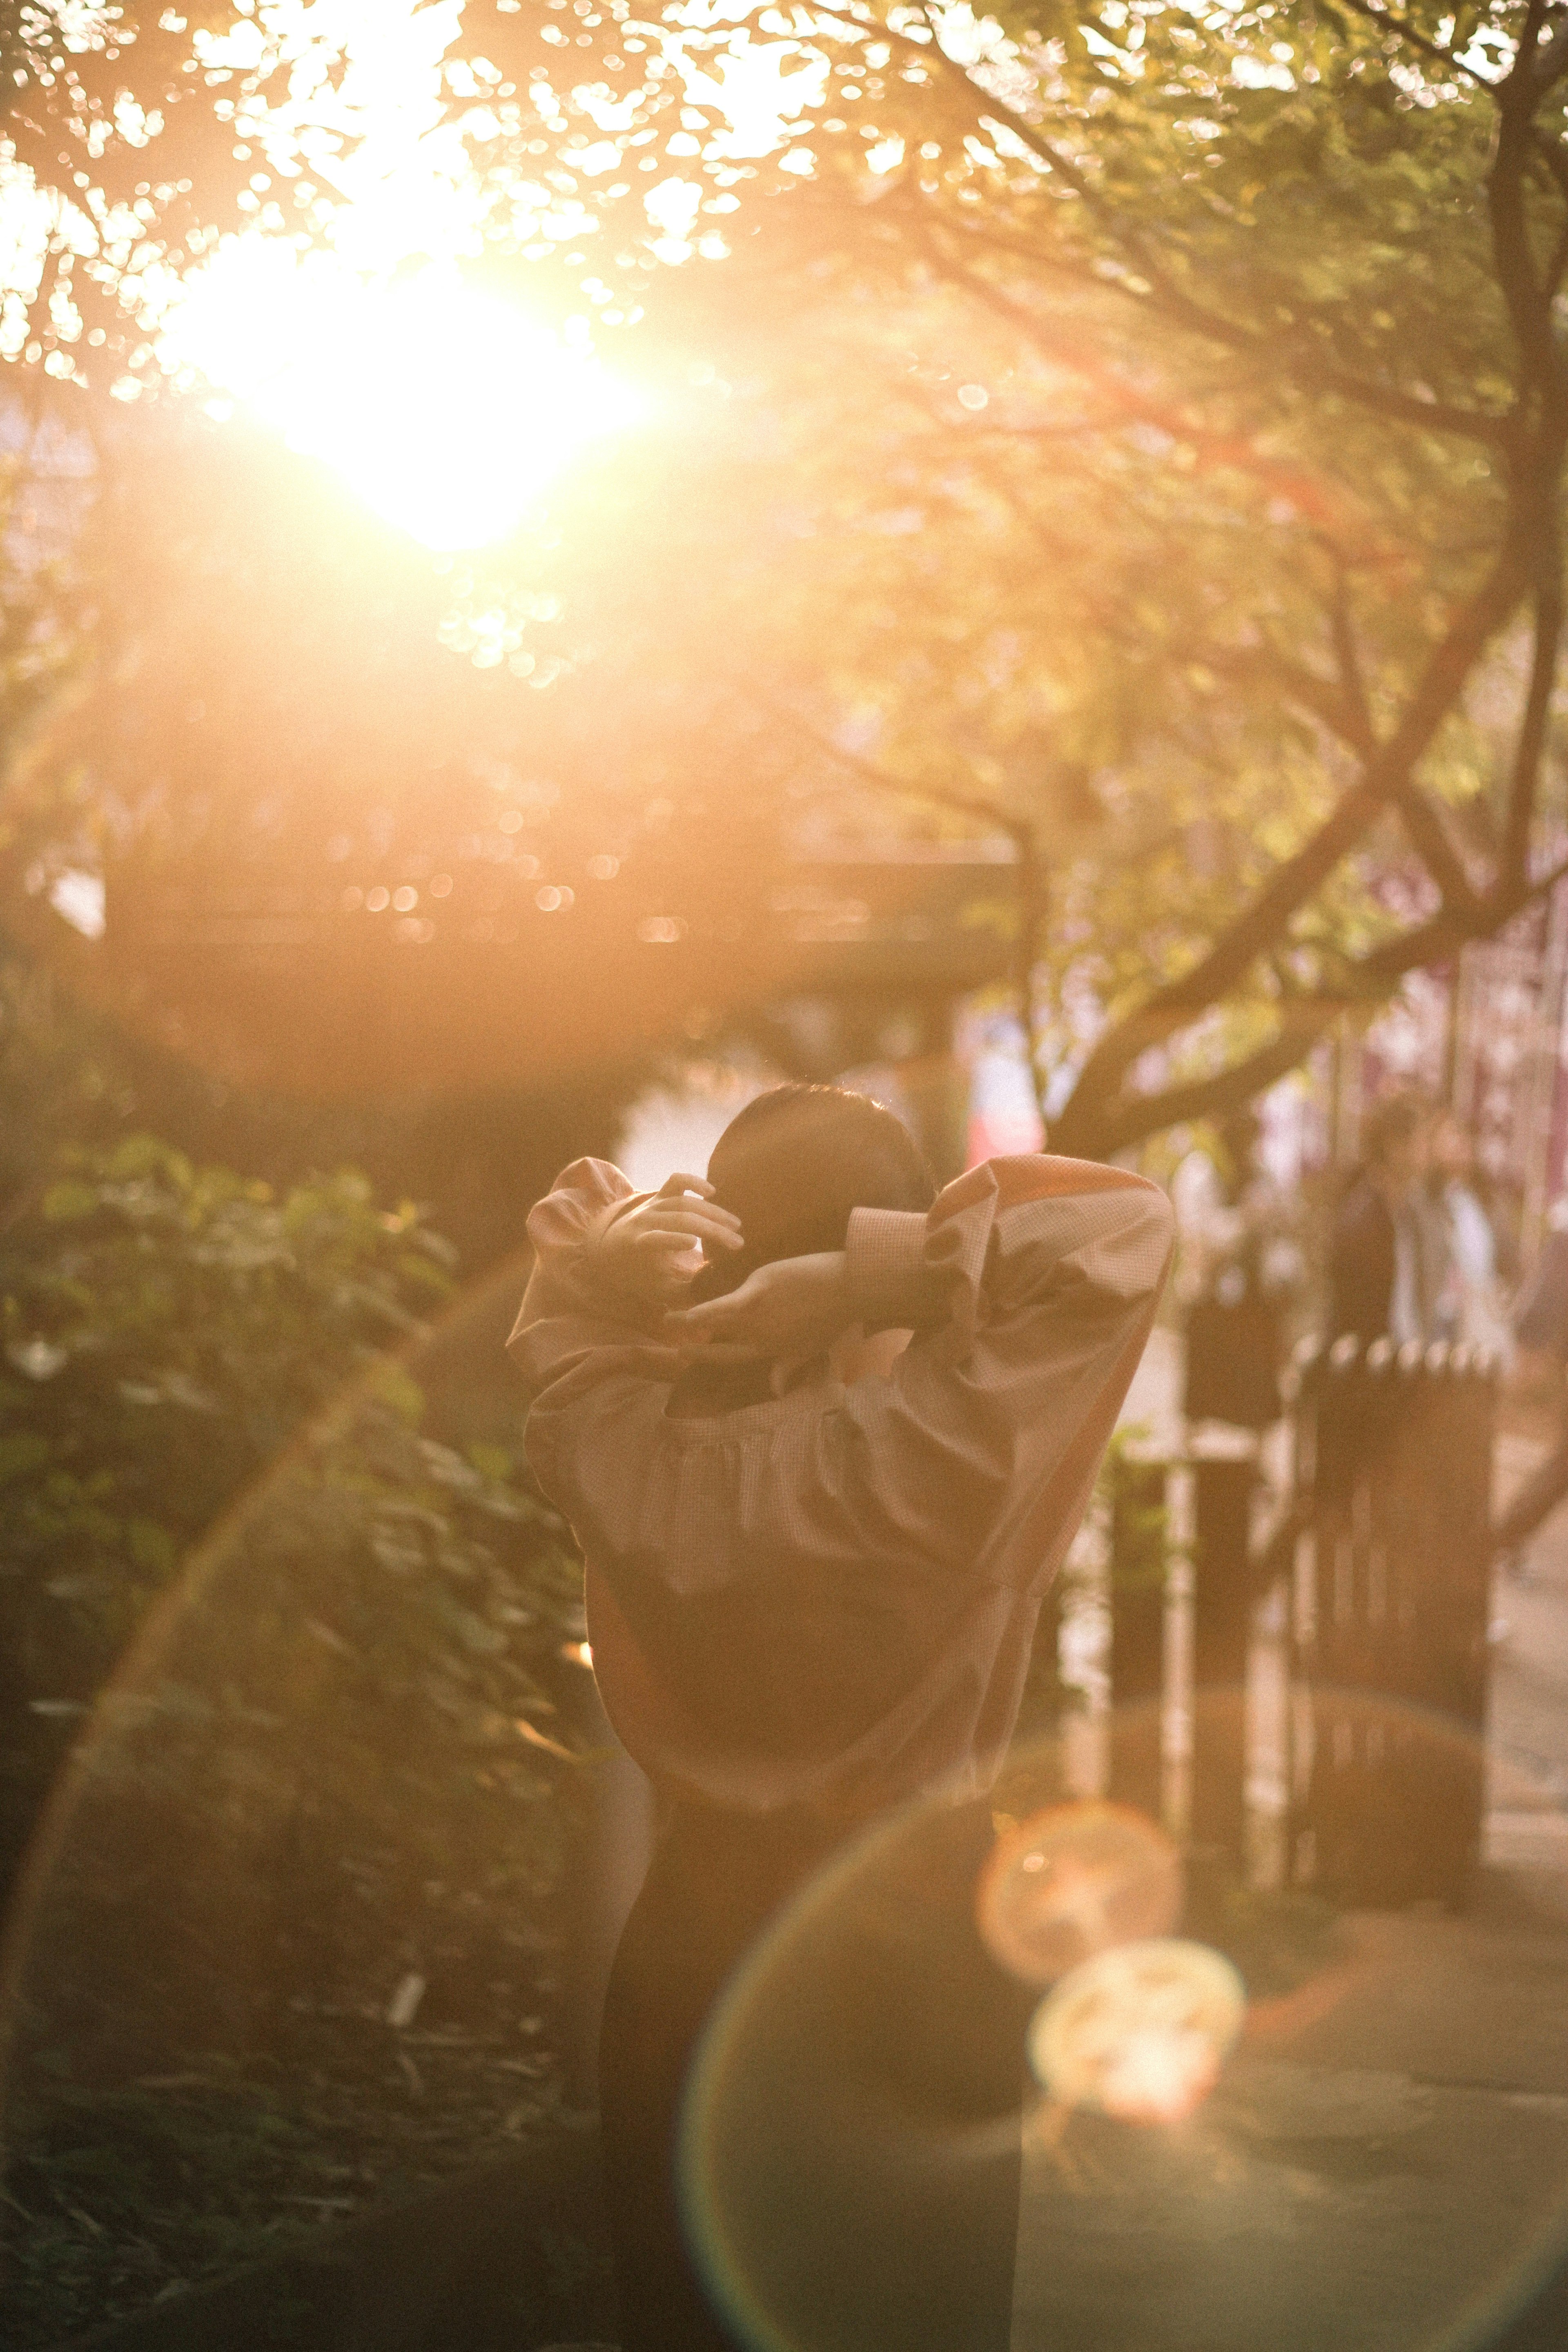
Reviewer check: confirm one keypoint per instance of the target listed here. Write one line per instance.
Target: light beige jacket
(827, 1600)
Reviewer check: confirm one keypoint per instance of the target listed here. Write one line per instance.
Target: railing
(1298, 1665)
(1395, 1454)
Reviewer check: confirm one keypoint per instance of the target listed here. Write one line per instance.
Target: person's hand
(651, 1253)
(793, 1308)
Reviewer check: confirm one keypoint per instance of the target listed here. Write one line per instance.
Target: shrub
(335, 1644)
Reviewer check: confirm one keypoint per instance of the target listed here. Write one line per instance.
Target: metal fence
(1394, 1464)
(1362, 1571)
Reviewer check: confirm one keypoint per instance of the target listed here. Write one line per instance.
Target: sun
(446, 409)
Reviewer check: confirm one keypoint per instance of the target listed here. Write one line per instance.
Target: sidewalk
(1384, 2167)
(1528, 1725)
(1390, 2176)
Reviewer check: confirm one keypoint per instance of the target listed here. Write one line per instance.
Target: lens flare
(444, 409)
(1382, 2158)
(1141, 2031)
(1072, 1881)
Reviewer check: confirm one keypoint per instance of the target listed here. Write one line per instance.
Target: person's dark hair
(792, 1165)
(1392, 1121)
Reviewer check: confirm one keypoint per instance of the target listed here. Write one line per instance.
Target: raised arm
(1049, 1273)
(1031, 1286)
(608, 1263)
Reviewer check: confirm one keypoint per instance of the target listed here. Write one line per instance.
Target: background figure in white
(1471, 1307)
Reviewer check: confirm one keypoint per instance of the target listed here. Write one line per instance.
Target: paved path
(1529, 1713)
(1385, 2165)
(1387, 2176)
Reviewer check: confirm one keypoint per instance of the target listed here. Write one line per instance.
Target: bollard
(1224, 1475)
(1222, 1589)
(1137, 1631)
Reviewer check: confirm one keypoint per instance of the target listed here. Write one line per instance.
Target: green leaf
(21, 1452)
(420, 1271)
(152, 1546)
(393, 1387)
(146, 1155)
(491, 1461)
(67, 1200)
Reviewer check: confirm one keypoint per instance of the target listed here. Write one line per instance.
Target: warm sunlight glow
(1139, 2032)
(445, 408)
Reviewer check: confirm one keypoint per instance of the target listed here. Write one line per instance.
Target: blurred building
(478, 964)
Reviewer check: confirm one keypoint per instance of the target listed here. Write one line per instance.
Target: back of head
(793, 1165)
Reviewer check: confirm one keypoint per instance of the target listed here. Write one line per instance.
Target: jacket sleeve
(1031, 1286)
(996, 1417)
(570, 1314)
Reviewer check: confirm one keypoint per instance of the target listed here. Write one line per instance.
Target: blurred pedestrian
(1470, 1308)
(1240, 1264)
(1388, 1254)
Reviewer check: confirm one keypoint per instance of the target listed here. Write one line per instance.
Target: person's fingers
(669, 1217)
(679, 1185)
(695, 1214)
(717, 1311)
(692, 1324)
(681, 1233)
(680, 1182)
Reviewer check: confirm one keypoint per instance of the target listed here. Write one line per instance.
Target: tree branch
(1429, 839)
(1528, 308)
(1273, 353)
(986, 109)
(1550, 60)
(1306, 1018)
(970, 804)
(1318, 696)
(1172, 299)
(1304, 491)
(1526, 765)
(1224, 964)
(1549, 153)
(986, 105)
(1226, 1091)
(1384, 20)
(1029, 895)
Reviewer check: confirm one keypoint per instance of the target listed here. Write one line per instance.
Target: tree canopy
(134, 138)
(1136, 427)
(1154, 418)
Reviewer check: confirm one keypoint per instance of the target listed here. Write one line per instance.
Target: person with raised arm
(824, 1440)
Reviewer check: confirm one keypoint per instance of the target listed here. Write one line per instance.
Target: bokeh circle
(1074, 1880)
(1140, 2031)
(1375, 2155)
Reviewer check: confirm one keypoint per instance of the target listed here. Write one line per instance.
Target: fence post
(1223, 1582)
(1223, 1476)
(1137, 1660)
